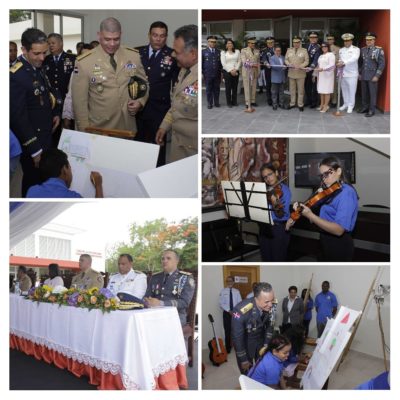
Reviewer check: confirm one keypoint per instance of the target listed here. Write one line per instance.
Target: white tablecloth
(139, 345)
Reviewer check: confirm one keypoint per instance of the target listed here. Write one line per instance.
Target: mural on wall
(237, 159)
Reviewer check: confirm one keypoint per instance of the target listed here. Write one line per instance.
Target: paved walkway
(265, 120)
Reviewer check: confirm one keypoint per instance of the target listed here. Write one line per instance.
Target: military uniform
(298, 58)
(161, 71)
(265, 55)
(371, 64)
(182, 116)
(88, 279)
(250, 74)
(134, 283)
(174, 290)
(251, 330)
(32, 108)
(211, 69)
(314, 51)
(100, 94)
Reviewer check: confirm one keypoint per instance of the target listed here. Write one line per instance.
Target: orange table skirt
(173, 379)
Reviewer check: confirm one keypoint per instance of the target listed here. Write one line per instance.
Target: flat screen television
(306, 171)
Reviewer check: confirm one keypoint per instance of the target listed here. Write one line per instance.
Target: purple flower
(31, 291)
(73, 299)
(108, 294)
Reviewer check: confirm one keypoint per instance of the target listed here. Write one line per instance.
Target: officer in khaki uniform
(335, 50)
(25, 282)
(250, 57)
(296, 58)
(100, 85)
(88, 277)
(181, 118)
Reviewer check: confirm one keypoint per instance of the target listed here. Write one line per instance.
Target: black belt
(280, 222)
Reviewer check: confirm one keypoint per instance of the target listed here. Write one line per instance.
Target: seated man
(171, 287)
(23, 279)
(88, 277)
(127, 280)
(56, 177)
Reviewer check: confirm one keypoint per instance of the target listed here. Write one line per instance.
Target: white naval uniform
(224, 298)
(349, 56)
(134, 283)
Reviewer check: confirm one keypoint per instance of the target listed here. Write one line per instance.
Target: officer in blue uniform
(251, 325)
(162, 71)
(314, 51)
(211, 70)
(171, 287)
(371, 66)
(265, 55)
(34, 114)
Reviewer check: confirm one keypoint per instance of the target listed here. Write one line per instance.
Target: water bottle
(17, 290)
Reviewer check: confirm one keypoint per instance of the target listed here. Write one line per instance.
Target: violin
(316, 199)
(277, 192)
(218, 353)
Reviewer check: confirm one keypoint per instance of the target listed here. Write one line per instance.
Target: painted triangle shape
(345, 319)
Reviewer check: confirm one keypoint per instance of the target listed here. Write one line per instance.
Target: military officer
(371, 66)
(297, 60)
(181, 118)
(23, 279)
(251, 327)
(127, 280)
(34, 114)
(314, 51)
(88, 277)
(171, 287)
(348, 60)
(13, 53)
(265, 55)
(211, 69)
(250, 58)
(161, 70)
(100, 85)
(335, 50)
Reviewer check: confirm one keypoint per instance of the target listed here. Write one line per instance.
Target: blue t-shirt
(285, 200)
(380, 382)
(308, 313)
(52, 188)
(268, 371)
(342, 209)
(325, 302)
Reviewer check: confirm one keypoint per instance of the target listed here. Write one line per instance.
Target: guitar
(218, 354)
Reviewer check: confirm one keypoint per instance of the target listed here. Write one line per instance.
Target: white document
(177, 179)
(117, 160)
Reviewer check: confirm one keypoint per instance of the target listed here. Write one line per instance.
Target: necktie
(152, 57)
(113, 62)
(165, 278)
(252, 50)
(56, 58)
(230, 300)
(187, 72)
(295, 51)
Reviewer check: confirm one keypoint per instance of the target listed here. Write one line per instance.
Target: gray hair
(189, 34)
(262, 287)
(110, 25)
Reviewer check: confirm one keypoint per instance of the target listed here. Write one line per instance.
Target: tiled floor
(265, 120)
(356, 368)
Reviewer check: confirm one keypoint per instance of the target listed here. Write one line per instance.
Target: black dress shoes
(363, 111)
(209, 106)
(370, 114)
(301, 109)
(254, 104)
(290, 107)
(217, 105)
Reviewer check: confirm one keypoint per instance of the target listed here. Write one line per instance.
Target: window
(26, 248)
(317, 25)
(260, 28)
(51, 247)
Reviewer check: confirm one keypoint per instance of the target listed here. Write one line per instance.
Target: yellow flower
(93, 299)
(92, 291)
(47, 288)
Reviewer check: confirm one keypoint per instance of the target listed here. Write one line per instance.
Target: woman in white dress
(325, 72)
(55, 278)
(230, 60)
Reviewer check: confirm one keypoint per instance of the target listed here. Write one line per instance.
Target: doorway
(244, 276)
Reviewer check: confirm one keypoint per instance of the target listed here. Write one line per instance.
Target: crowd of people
(311, 71)
(51, 89)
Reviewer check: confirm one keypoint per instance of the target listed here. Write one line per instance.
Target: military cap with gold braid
(370, 36)
(347, 36)
(251, 40)
(330, 37)
(296, 39)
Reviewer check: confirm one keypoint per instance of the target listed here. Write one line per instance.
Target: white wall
(135, 23)
(372, 169)
(349, 283)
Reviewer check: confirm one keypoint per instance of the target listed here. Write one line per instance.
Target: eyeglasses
(325, 174)
(265, 177)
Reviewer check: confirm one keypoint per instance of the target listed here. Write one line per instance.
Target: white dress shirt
(230, 61)
(349, 56)
(56, 281)
(134, 283)
(224, 298)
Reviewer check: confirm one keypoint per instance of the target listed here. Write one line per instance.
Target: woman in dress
(325, 72)
(230, 60)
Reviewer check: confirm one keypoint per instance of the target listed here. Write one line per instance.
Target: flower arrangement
(94, 298)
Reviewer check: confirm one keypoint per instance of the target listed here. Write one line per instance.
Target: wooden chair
(117, 133)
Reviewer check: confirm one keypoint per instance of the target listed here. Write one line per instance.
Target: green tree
(19, 15)
(148, 241)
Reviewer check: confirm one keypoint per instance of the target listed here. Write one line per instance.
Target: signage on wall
(241, 279)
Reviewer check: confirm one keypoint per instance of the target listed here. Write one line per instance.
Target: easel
(117, 133)
(307, 296)
(353, 334)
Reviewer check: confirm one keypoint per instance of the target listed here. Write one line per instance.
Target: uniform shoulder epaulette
(84, 55)
(138, 48)
(185, 273)
(158, 273)
(132, 49)
(16, 67)
(378, 47)
(246, 308)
